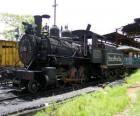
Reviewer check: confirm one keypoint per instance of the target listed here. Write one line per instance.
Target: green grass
(134, 78)
(106, 102)
(102, 103)
(135, 109)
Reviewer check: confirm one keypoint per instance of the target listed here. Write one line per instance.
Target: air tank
(54, 32)
(66, 33)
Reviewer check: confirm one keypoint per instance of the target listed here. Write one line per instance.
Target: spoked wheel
(33, 86)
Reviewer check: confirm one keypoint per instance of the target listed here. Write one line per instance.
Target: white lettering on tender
(114, 58)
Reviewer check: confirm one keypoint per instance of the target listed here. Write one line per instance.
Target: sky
(104, 15)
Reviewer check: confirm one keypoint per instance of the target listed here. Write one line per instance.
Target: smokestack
(88, 27)
(38, 22)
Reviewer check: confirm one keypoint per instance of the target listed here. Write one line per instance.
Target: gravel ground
(5, 89)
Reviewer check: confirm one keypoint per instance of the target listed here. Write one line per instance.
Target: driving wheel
(33, 86)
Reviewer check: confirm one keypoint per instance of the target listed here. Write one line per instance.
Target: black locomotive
(53, 58)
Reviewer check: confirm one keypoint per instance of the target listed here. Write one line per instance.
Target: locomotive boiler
(54, 58)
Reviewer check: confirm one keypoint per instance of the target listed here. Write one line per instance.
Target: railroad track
(12, 94)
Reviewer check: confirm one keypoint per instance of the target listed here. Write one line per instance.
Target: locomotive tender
(53, 60)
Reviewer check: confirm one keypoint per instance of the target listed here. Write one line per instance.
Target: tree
(14, 23)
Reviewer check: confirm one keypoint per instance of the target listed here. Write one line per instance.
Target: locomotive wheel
(110, 75)
(81, 74)
(118, 74)
(33, 86)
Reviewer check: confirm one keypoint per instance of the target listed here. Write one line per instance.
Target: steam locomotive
(55, 58)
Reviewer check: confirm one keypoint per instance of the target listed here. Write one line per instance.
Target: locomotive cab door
(96, 52)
